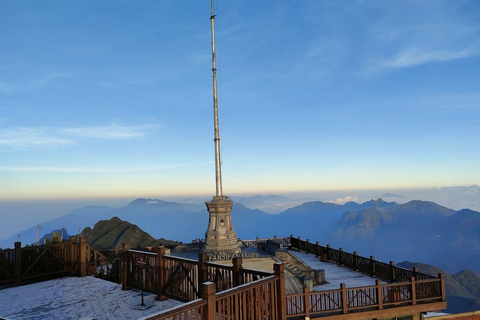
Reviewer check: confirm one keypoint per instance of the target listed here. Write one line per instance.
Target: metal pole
(218, 169)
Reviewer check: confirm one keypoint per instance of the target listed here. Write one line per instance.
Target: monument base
(220, 237)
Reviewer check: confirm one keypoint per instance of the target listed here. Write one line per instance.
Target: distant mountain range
(418, 230)
(462, 288)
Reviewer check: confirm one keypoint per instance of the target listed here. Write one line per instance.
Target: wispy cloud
(6, 88)
(345, 200)
(413, 56)
(112, 131)
(432, 33)
(44, 137)
(32, 82)
(396, 36)
(21, 138)
(99, 169)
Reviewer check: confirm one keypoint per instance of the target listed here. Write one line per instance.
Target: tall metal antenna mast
(218, 169)
(220, 237)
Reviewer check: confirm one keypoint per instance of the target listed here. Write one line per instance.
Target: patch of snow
(77, 298)
(435, 314)
(335, 274)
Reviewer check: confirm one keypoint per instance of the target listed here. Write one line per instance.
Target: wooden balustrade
(189, 311)
(378, 297)
(181, 278)
(221, 291)
(260, 299)
(36, 263)
(7, 266)
(284, 241)
(386, 271)
(138, 277)
(98, 264)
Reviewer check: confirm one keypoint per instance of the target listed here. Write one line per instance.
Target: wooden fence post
(160, 273)
(414, 291)
(119, 269)
(279, 269)
(415, 272)
(202, 269)
(392, 271)
(344, 298)
(125, 248)
(379, 294)
(306, 296)
(328, 252)
(237, 271)
(207, 292)
(340, 256)
(307, 245)
(73, 259)
(355, 260)
(17, 273)
(83, 257)
(441, 276)
(372, 267)
(317, 248)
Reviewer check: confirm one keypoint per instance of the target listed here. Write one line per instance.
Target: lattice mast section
(218, 163)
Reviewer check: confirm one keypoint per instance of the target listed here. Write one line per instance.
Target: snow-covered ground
(77, 298)
(335, 274)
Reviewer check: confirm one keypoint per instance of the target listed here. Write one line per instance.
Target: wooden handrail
(387, 271)
(178, 310)
(358, 298)
(168, 257)
(245, 287)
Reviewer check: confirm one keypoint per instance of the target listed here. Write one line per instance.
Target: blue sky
(114, 98)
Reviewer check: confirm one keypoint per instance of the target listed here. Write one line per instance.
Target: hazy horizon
(22, 214)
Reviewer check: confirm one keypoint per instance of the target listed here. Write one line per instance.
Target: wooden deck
(235, 292)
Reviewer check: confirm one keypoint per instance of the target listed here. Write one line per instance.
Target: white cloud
(23, 138)
(345, 200)
(112, 131)
(99, 169)
(7, 88)
(48, 78)
(413, 56)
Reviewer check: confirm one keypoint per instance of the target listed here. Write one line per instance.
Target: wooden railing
(386, 271)
(285, 241)
(347, 300)
(181, 278)
(37, 263)
(257, 300)
(189, 311)
(7, 266)
(218, 291)
(100, 265)
(28, 264)
(260, 299)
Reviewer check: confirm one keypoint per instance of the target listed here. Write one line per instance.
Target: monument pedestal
(220, 237)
